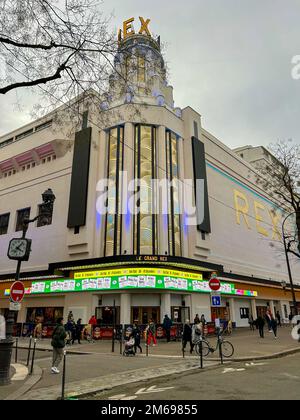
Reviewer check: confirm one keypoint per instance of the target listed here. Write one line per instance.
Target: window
(4, 221)
(145, 221)
(6, 142)
(244, 313)
(174, 219)
(21, 216)
(25, 134)
(45, 218)
(43, 126)
(113, 231)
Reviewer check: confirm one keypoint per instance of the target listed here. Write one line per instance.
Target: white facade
(245, 222)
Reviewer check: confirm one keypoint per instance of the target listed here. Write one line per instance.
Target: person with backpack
(58, 343)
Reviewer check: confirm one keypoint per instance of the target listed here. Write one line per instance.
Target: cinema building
(139, 264)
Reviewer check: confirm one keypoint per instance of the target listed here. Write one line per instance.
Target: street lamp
(19, 250)
(288, 262)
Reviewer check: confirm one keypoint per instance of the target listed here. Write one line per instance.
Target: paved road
(270, 380)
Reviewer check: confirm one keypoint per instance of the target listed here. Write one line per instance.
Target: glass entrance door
(142, 315)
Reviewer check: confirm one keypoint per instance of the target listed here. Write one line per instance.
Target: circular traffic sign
(17, 292)
(215, 284)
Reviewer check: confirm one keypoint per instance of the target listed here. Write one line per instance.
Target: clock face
(17, 248)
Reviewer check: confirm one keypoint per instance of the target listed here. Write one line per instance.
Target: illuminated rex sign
(133, 278)
(128, 29)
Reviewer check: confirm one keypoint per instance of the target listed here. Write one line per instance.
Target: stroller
(129, 347)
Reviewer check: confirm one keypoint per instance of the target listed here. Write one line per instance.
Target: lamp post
(19, 249)
(288, 262)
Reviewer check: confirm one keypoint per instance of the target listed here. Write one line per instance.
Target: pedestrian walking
(71, 331)
(269, 319)
(136, 333)
(203, 320)
(78, 331)
(93, 320)
(260, 322)
(197, 331)
(251, 323)
(71, 316)
(151, 333)
(274, 327)
(38, 330)
(197, 319)
(187, 336)
(58, 343)
(278, 317)
(167, 324)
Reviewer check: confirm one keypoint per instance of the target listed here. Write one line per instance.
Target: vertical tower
(142, 144)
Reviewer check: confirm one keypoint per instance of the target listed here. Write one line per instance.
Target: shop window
(21, 216)
(45, 315)
(108, 315)
(180, 314)
(4, 221)
(244, 313)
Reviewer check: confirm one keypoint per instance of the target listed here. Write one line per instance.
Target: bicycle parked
(226, 346)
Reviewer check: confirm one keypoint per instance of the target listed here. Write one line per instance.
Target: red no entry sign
(215, 284)
(17, 292)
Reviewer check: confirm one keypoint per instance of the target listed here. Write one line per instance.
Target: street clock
(19, 249)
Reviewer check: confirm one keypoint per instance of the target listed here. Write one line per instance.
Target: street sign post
(17, 292)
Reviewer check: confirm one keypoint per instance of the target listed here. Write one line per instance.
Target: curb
(258, 358)
(165, 356)
(27, 386)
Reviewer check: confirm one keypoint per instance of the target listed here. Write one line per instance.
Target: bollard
(29, 351)
(33, 356)
(220, 349)
(64, 376)
(113, 342)
(201, 353)
(121, 342)
(16, 354)
(147, 346)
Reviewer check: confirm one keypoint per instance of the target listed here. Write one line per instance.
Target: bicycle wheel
(205, 348)
(227, 349)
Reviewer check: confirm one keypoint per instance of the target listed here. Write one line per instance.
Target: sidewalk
(247, 344)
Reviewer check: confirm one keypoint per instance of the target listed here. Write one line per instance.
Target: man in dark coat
(167, 324)
(187, 336)
(260, 322)
(136, 333)
(58, 343)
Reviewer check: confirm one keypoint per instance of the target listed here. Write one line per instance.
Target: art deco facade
(156, 259)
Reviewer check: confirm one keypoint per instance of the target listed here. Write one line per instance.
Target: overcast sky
(228, 59)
